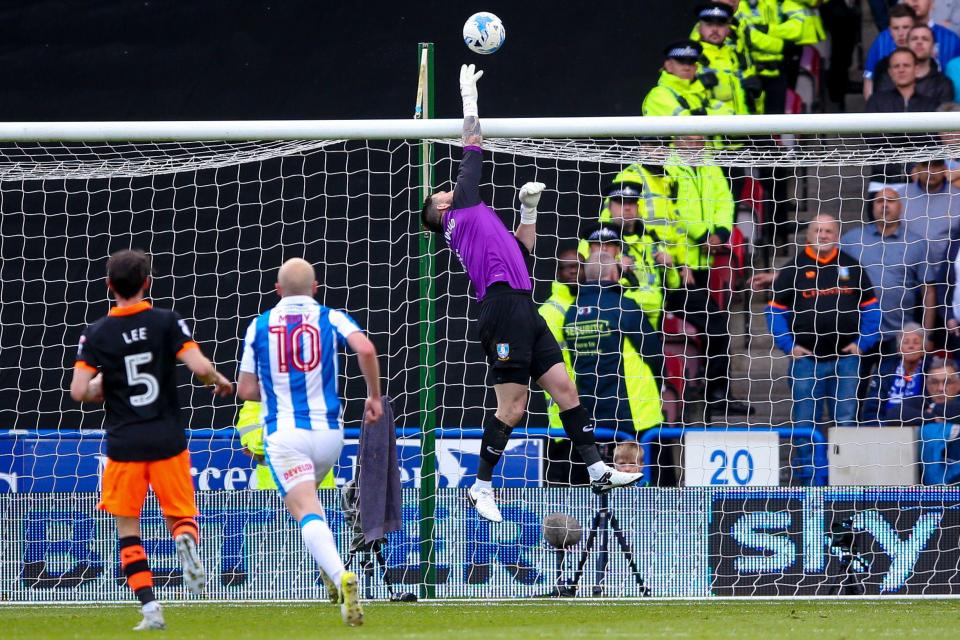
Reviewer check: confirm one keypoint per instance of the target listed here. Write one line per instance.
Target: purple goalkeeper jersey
(487, 250)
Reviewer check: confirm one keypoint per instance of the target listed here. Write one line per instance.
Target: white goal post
(395, 129)
(760, 510)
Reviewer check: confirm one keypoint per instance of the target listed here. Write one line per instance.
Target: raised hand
(468, 90)
(529, 199)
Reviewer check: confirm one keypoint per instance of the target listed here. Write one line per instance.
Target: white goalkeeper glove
(468, 90)
(529, 199)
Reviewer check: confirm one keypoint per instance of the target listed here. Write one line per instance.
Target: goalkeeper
(516, 340)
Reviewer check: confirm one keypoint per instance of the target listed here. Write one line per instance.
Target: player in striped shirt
(289, 364)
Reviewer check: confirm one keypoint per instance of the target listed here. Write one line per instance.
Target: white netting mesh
(219, 219)
(89, 161)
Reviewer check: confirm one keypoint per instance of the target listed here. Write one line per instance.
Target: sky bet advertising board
(690, 542)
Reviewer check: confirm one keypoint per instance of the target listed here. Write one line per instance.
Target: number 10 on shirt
(298, 346)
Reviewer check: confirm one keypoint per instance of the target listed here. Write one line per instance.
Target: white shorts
(300, 455)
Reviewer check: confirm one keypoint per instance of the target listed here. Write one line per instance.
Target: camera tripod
(843, 543)
(604, 522)
(372, 562)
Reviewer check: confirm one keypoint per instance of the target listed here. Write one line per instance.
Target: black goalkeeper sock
(494, 441)
(576, 422)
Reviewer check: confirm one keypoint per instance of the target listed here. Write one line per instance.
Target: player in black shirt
(127, 361)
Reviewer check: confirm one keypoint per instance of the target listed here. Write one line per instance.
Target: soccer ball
(484, 33)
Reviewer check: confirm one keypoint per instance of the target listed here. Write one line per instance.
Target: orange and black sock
(133, 560)
(188, 526)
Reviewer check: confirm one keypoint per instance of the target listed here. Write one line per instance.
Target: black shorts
(516, 339)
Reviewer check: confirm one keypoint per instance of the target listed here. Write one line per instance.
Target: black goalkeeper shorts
(516, 339)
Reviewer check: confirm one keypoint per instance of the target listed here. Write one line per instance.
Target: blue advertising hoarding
(688, 542)
(691, 542)
(52, 461)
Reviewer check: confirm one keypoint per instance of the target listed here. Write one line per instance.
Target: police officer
(642, 244)
(563, 292)
(678, 92)
(757, 21)
(616, 353)
(705, 209)
(749, 30)
(559, 467)
(725, 68)
(800, 22)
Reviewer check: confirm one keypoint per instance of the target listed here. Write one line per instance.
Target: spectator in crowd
(947, 14)
(895, 259)
(678, 92)
(952, 71)
(628, 457)
(842, 20)
(929, 203)
(938, 414)
(952, 297)
(899, 378)
(940, 398)
(705, 206)
(931, 82)
(880, 10)
(616, 354)
(930, 11)
(902, 20)
(951, 139)
(724, 69)
(903, 97)
(948, 43)
(563, 291)
(823, 314)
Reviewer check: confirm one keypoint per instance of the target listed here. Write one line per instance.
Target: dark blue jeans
(940, 453)
(820, 384)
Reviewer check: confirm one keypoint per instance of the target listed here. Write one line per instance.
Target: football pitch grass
(528, 619)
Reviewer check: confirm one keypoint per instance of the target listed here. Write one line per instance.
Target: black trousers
(843, 24)
(695, 305)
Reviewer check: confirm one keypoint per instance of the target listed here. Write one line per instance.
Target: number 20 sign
(731, 459)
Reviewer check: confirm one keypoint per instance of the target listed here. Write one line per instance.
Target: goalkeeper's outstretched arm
(466, 193)
(529, 197)
(471, 111)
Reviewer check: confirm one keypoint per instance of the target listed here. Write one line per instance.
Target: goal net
(787, 495)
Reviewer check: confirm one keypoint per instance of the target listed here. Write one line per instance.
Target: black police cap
(683, 50)
(604, 234)
(714, 12)
(624, 191)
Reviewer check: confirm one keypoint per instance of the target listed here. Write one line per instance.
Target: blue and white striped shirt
(292, 349)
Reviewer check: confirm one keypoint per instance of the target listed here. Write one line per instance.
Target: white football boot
(194, 575)
(152, 620)
(611, 479)
(482, 499)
